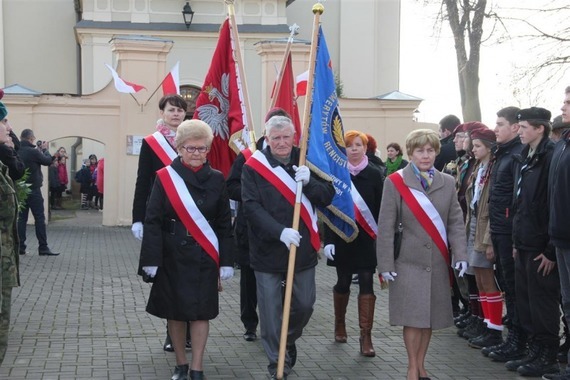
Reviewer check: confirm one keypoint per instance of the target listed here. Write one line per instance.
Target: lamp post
(188, 14)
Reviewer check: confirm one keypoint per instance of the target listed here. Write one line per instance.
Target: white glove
(137, 230)
(329, 251)
(226, 273)
(150, 271)
(290, 236)
(389, 276)
(302, 173)
(461, 266)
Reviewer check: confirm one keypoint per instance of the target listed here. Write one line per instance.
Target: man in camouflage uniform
(9, 258)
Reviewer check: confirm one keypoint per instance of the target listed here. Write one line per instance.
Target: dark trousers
(35, 202)
(248, 298)
(538, 299)
(505, 264)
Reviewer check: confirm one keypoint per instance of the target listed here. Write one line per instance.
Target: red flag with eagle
(220, 104)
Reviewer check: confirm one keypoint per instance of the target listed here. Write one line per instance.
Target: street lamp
(188, 14)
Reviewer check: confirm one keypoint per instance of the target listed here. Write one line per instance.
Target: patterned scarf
(355, 169)
(426, 178)
(168, 133)
(392, 167)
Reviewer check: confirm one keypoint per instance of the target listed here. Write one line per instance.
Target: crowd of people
(472, 224)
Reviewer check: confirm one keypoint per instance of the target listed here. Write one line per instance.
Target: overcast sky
(429, 71)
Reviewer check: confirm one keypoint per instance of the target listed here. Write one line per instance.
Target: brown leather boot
(366, 319)
(340, 302)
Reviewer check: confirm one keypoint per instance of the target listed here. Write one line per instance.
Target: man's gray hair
(278, 123)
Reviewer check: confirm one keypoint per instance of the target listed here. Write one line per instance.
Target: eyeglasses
(192, 149)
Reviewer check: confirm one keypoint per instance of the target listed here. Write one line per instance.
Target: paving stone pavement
(81, 315)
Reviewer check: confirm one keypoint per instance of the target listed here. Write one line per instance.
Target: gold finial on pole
(318, 8)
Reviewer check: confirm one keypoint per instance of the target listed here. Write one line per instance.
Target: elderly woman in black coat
(186, 243)
(358, 256)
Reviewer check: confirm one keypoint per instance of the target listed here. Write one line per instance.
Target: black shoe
(462, 321)
(23, 252)
(545, 363)
(196, 375)
(274, 376)
(292, 351)
(485, 351)
(556, 376)
(250, 336)
(532, 355)
(492, 338)
(180, 372)
(48, 252)
(475, 329)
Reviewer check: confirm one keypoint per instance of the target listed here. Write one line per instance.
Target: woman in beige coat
(420, 289)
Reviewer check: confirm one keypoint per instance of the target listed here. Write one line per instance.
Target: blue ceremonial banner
(326, 152)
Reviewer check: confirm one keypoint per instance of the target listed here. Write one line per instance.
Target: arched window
(190, 94)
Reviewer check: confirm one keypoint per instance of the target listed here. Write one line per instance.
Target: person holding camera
(34, 156)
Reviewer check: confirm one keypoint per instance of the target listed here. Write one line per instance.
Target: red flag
(171, 84)
(302, 80)
(122, 85)
(220, 104)
(286, 98)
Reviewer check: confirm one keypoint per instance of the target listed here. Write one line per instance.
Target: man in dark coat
(559, 207)
(34, 157)
(536, 277)
(501, 227)
(447, 152)
(269, 213)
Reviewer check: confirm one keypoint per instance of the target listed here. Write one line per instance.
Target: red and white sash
(188, 212)
(287, 186)
(425, 212)
(161, 148)
(362, 213)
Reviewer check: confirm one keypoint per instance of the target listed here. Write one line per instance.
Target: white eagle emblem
(217, 118)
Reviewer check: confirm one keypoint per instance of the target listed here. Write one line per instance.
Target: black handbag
(399, 233)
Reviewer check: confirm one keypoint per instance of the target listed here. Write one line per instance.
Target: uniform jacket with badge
(361, 252)
(186, 284)
(268, 212)
(420, 295)
(558, 185)
(502, 182)
(9, 243)
(530, 222)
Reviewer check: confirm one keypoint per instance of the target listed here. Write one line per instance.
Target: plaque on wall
(134, 145)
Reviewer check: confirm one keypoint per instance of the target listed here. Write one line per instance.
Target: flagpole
(243, 85)
(294, 31)
(154, 92)
(318, 9)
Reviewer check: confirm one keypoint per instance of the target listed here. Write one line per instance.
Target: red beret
(469, 127)
(483, 134)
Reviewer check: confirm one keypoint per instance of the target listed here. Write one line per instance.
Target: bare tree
(466, 21)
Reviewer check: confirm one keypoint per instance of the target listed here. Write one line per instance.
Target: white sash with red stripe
(188, 212)
(424, 211)
(287, 186)
(362, 213)
(161, 147)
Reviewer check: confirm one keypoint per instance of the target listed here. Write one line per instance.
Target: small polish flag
(122, 85)
(171, 84)
(301, 80)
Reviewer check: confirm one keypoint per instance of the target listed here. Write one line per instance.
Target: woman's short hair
(372, 145)
(349, 137)
(277, 122)
(421, 137)
(174, 100)
(193, 130)
(396, 147)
